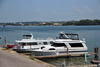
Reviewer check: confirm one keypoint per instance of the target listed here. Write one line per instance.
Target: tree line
(63, 23)
(83, 22)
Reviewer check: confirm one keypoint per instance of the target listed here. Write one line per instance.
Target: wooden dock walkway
(69, 55)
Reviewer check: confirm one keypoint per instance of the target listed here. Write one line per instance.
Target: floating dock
(65, 55)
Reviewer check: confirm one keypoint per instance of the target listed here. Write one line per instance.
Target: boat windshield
(69, 36)
(27, 36)
(58, 45)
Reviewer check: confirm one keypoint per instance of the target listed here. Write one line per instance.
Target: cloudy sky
(48, 10)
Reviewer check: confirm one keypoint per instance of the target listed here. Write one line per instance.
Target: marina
(49, 33)
(90, 49)
(64, 44)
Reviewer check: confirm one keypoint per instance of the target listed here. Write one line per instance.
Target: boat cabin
(38, 43)
(35, 43)
(27, 36)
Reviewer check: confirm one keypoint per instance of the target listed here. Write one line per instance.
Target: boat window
(76, 44)
(45, 43)
(34, 43)
(51, 49)
(23, 43)
(51, 42)
(39, 43)
(58, 45)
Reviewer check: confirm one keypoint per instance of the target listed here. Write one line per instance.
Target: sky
(48, 10)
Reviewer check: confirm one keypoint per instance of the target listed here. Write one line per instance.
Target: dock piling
(96, 51)
(85, 58)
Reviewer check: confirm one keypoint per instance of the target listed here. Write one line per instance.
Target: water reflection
(69, 61)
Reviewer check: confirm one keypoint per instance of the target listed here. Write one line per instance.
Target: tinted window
(59, 45)
(51, 49)
(45, 43)
(76, 44)
(51, 42)
(34, 43)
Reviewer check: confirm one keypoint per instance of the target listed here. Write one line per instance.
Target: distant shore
(86, 22)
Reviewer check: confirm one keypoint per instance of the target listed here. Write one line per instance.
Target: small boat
(12, 45)
(95, 62)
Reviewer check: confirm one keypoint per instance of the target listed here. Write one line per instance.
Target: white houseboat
(28, 43)
(64, 44)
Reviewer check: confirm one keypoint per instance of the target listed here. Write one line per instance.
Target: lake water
(90, 33)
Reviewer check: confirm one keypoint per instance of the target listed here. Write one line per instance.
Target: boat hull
(48, 53)
(22, 50)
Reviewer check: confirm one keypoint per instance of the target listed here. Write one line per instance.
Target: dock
(65, 55)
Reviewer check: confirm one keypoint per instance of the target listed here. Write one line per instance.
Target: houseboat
(64, 44)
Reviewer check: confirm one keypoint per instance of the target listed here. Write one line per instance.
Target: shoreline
(34, 59)
(52, 26)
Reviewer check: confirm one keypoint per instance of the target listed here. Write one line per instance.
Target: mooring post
(96, 51)
(85, 58)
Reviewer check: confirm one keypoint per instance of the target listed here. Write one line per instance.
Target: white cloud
(38, 9)
(88, 8)
(76, 8)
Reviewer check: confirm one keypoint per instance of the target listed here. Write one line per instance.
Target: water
(90, 33)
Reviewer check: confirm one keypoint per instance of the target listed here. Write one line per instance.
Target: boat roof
(68, 40)
(68, 36)
(31, 40)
